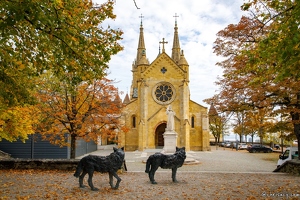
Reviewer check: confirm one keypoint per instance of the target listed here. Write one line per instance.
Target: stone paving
(217, 160)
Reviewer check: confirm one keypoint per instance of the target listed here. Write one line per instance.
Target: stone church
(155, 86)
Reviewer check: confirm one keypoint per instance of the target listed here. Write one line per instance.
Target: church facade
(155, 86)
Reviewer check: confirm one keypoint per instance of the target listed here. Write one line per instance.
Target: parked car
(295, 142)
(233, 145)
(289, 154)
(227, 144)
(222, 144)
(277, 146)
(259, 148)
(243, 146)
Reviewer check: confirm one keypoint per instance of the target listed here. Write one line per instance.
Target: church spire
(176, 45)
(141, 51)
(212, 110)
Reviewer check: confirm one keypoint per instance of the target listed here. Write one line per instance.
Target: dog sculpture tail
(148, 164)
(78, 169)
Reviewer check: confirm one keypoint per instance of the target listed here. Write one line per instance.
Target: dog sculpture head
(180, 152)
(119, 152)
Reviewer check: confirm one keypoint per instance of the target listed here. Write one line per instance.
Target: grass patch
(270, 157)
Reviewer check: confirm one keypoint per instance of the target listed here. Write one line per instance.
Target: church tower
(155, 86)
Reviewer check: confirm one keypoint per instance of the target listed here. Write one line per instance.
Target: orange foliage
(88, 111)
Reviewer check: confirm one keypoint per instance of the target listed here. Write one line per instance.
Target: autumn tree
(217, 123)
(261, 65)
(88, 110)
(278, 53)
(60, 36)
(282, 127)
(251, 126)
(235, 92)
(239, 124)
(57, 35)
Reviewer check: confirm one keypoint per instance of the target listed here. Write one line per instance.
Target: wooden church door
(159, 138)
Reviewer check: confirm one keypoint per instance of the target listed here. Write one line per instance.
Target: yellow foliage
(17, 122)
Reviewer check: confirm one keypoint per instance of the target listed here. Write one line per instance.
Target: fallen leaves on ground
(38, 184)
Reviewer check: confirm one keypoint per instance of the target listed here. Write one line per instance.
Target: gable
(196, 106)
(163, 67)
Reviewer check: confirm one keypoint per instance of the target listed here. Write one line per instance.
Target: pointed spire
(182, 60)
(117, 99)
(126, 99)
(212, 110)
(141, 46)
(158, 49)
(176, 45)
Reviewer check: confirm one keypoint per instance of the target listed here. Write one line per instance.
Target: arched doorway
(159, 138)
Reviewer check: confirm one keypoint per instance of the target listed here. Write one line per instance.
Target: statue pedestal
(170, 142)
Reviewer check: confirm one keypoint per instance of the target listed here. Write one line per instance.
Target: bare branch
(136, 5)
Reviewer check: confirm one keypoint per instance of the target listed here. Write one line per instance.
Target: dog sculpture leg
(81, 177)
(111, 180)
(111, 175)
(174, 170)
(152, 173)
(90, 180)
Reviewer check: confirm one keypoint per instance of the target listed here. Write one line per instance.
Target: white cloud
(198, 23)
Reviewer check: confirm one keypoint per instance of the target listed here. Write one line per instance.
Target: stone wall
(44, 164)
(4, 155)
(291, 167)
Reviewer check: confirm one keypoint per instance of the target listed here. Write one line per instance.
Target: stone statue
(170, 122)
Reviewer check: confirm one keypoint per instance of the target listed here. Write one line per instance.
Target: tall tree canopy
(64, 36)
(39, 36)
(262, 61)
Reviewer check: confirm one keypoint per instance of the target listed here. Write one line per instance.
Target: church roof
(118, 100)
(163, 57)
(126, 99)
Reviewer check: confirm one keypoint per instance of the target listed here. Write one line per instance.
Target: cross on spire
(141, 18)
(176, 18)
(163, 43)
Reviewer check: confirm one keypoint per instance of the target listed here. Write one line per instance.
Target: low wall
(45, 164)
(291, 167)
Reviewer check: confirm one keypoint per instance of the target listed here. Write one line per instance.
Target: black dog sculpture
(166, 162)
(103, 164)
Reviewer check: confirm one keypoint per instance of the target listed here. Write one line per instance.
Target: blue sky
(198, 23)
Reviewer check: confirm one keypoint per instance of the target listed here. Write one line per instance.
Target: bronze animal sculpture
(111, 164)
(166, 162)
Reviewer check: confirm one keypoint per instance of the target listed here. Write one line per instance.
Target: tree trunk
(298, 139)
(296, 123)
(73, 146)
